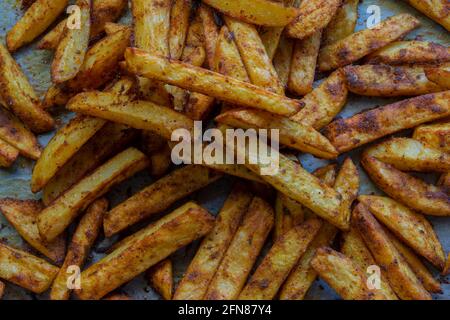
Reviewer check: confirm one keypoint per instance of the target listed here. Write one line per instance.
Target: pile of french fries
(250, 65)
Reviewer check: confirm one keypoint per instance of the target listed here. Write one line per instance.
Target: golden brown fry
(282, 59)
(412, 192)
(25, 270)
(324, 102)
(242, 253)
(51, 40)
(111, 28)
(18, 95)
(327, 174)
(82, 240)
(347, 184)
(207, 82)
(365, 127)
(56, 96)
(435, 135)
(444, 181)
(160, 278)
(434, 9)
(362, 43)
(36, 20)
(145, 248)
(179, 24)
(281, 258)
(343, 23)
(410, 227)
(8, 154)
(439, 75)
(160, 161)
(206, 261)
(210, 31)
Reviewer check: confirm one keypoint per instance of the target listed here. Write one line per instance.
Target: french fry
(343, 23)
(210, 31)
(18, 96)
(288, 213)
(51, 40)
(399, 274)
(241, 255)
(257, 63)
(56, 96)
(25, 270)
(292, 134)
(362, 43)
(365, 127)
(161, 278)
(8, 154)
(327, 174)
(206, 261)
(412, 192)
(66, 142)
(195, 36)
(207, 82)
(435, 135)
(146, 248)
(313, 16)
(347, 184)
(117, 296)
(259, 12)
(55, 218)
(410, 227)
(111, 28)
(2, 289)
(72, 47)
(303, 65)
(80, 245)
(281, 258)
(324, 102)
(353, 247)
(408, 154)
(439, 75)
(35, 21)
(282, 59)
(434, 9)
(160, 161)
(179, 24)
(22, 215)
(444, 181)
(410, 52)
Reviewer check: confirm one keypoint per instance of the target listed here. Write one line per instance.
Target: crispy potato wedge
(39, 16)
(8, 154)
(389, 81)
(18, 95)
(342, 24)
(111, 28)
(210, 31)
(434, 9)
(408, 154)
(282, 59)
(206, 261)
(324, 102)
(160, 161)
(158, 197)
(26, 270)
(22, 215)
(292, 134)
(160, 277)
(365, 127)
(257, 63)
(347, 184)
(72, 47)
(410, 52)
(435, 135)
(259, 12)
(207, 82)
(401, 278)
(146, 248)
(412, 192)
(179, 24)
(362, 43)
(56, 96)
(313, 16)
(82, 240)
(439, 75)
(282, 220)
(64, 144)
(51, 40)
(410, 227)
(303, 64)
(241, 255)
(281, 258)
(353, 247)
(54, 219)
(444, 181)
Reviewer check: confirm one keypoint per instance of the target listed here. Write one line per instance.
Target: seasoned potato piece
(56, 96)
(347, 184)
(439, 75)
(435, 9)
(8, 154)
(283, 59)
(179, 24)
(435, 135)
(160, 277)
(343, 23)
(210, 31)
(444, 181)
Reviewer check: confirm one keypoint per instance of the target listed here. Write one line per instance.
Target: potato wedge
(160, 277)
(282, 59)
(241, 255)
(206, 261)
(64, 144)
(207, 82)
(179, 24)
(410, 52)
(401, 278)
(412, 192)
(22, 215)
(72, 47)
(158, 197)
(51, 40)
(18, 96)
(364, 42)
(323, 103)
(347, 184)
(161, 161)
(8, 154)
(292, 134)
(435, 135)
(148, 247)
(365, 127)
(408, 154)
(439, 75)
(342, 24)
(56, 96)
(259, 12)
(54, 219)
(39, 16)
(434, 9)
(278, 262)
(444, 181)
(82, 240)
(25, 270)
(313, 16)
(389, 81)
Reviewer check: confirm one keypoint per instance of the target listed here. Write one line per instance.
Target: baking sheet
(14, 182)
